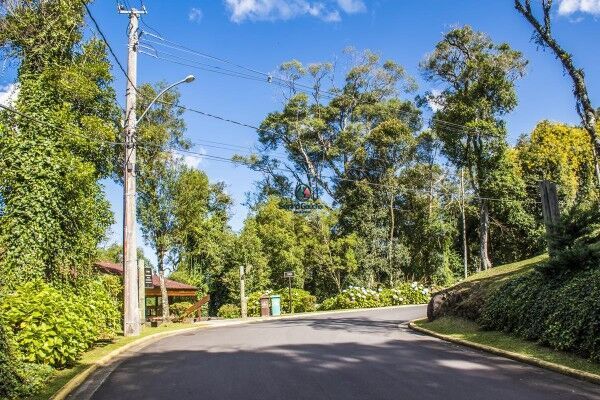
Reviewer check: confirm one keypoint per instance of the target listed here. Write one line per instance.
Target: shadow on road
(397, 369)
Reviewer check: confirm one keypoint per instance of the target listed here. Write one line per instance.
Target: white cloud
(195, 15)
(568, 7)
(352, 6)
(9, 94)
(272, 10)
(434, 100)
(190, 160)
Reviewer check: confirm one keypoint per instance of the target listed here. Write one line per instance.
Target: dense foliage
(54, 151)
(18, 379)
(178, 309)
(9, 378)
(559, 311)
(361, 297)
(302, 301)
(52, 326)
(229, 311)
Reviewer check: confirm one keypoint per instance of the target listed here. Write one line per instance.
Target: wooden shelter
(153, 296)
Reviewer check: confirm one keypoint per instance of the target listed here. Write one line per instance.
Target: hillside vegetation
(531, 300)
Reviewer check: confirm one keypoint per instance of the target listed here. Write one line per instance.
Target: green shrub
(18, 379)
(178, 309)
(10, 381)
(561, 312)
(103, 307)
(229, 311)
(360, 297)
(302, 300)
(54, 327)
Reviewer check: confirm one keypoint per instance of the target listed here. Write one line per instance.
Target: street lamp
(187, 79)
(131, 269)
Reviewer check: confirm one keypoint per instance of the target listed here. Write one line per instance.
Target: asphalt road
(361, 355)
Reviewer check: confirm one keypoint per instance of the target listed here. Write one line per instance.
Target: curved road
(346, 356)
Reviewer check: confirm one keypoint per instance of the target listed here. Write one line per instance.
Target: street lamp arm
(187, 79)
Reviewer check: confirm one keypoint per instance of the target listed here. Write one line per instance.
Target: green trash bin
(275, 305)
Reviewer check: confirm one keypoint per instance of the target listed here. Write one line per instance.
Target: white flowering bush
(360, 297)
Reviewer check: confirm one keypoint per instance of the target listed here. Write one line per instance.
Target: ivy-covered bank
(534, 302)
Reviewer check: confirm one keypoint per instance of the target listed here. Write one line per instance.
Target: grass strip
(59, 378)
(461, 329)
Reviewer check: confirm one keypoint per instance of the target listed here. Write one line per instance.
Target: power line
(239, 162)
(110, 49)
(447, 123)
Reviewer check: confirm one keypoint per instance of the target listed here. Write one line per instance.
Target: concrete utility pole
(244, 303)
(131, 320)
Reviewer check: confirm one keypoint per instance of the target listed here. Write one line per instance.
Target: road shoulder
(418, 326)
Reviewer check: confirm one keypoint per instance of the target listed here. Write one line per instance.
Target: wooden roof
(174, 288)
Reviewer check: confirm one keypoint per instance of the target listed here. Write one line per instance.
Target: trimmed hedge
(560, 311)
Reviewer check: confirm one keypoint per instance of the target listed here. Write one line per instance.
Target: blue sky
(263, 33)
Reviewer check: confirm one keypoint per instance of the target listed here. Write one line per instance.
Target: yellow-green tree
(559, 153)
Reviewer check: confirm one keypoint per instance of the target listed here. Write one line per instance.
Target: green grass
(60, 377)
(468, 330)
(502, 272)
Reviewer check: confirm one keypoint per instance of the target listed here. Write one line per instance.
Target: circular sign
(302, 192)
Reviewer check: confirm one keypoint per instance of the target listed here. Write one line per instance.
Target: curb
(78, 379)
(561, 369)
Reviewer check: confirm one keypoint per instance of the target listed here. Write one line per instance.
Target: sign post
(148, 278)
(290, 275)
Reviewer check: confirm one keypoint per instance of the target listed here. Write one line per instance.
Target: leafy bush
(302, 300)
(229, 311)
(10, 381)
(360, 297)
(18, 379)
(561, 311)
(54, 327)
(178, 309)
(103, 307)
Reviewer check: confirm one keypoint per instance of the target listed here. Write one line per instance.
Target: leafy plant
(558, 311)
(54, 327)
(229, 311)
(360, 297)
(177, 309)
(302, 301)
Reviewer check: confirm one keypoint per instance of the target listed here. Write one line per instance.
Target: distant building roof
(117, 269)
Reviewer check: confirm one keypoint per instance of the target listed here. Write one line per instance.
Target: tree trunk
(484, 228)
(163, 287)
(544, 37)
(464, 221)
(391, 243)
